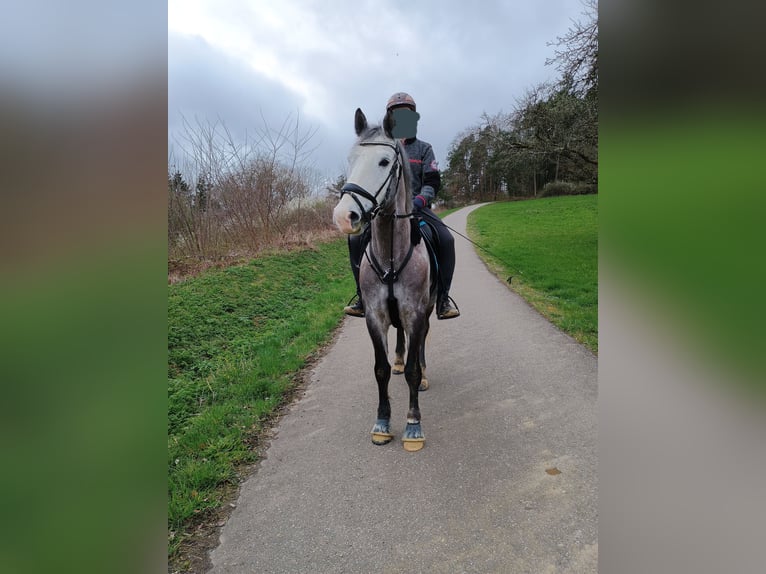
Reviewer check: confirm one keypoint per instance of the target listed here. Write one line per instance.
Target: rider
(425, 184)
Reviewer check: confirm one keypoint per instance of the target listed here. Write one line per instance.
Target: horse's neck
(385, 235)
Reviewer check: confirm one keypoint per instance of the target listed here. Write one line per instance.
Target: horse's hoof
(398, 368)
(381, 432)
(413, 445)
(413, 439)
(423, 385)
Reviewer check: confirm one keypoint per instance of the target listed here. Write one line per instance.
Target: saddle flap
(431, 238)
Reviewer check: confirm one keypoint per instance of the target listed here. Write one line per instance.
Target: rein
(391, 275)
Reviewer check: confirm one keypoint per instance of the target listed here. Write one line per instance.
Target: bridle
(355, 190)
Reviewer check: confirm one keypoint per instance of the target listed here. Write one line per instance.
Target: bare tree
(576, 56)
(244, 187)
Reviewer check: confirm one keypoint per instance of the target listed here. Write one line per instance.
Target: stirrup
(450, 314)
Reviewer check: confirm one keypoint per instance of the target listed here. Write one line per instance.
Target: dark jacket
(426, 180)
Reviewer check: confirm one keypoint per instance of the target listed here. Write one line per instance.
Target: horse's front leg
(381, 432)
(423, 378)
(414, 439)
(399, 356)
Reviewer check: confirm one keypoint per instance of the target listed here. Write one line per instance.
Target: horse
(395, 277)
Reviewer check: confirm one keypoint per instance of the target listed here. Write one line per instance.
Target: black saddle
(431, 239)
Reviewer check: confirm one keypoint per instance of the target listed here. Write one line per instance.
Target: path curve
(511, 398)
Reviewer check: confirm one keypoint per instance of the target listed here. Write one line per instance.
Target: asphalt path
(507, 481)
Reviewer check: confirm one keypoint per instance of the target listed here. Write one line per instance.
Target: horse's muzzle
(347, 220)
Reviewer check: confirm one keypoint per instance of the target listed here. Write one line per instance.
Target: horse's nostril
(353, 217)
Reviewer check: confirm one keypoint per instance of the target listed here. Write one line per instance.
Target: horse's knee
(413, 373)
(383, 372)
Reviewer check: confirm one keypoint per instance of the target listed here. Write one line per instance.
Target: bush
(583, 188)
(554, 188)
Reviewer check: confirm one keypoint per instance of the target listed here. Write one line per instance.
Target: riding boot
(356, 246)
(355, 310)
(445, 308)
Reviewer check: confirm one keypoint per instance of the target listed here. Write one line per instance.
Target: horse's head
(374, 171)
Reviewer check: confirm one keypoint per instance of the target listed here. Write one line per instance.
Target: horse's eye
(384, 162)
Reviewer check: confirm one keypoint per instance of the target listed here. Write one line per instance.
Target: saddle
(431, 240)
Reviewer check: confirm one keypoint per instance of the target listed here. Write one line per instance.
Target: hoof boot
(413, 445)
(413, 439)
(381, 432)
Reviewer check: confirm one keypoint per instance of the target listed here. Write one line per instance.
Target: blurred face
(405, 122)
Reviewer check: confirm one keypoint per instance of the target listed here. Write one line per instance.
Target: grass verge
(550, 249)
(237, 338)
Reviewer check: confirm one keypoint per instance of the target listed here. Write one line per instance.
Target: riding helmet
(400, 99)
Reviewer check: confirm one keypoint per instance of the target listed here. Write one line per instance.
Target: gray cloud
(458, 60)
(206, 84)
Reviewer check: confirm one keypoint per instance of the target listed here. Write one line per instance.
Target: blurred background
(83, 146)
(82, 286)
(682, 365)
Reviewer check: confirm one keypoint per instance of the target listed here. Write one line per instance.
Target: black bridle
(391, 275)
(355, 190)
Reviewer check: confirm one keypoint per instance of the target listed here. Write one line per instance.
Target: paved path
(511, 397)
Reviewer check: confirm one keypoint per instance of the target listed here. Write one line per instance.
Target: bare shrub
(193, 229)
(308, 223)
(229, 198)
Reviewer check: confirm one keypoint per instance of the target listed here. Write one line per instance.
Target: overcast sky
(244, 61)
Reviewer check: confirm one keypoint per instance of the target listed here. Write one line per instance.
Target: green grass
(82, 410)
(236, 339)
(550, 248)
(682, 223)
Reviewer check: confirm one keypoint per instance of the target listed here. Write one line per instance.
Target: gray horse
(395, 276)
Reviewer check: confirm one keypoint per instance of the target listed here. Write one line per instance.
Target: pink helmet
(400, 99)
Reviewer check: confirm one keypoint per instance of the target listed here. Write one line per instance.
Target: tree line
(548, 145)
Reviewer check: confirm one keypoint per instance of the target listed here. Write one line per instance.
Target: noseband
(355, 190)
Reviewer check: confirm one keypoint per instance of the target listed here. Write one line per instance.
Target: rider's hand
(418, 202)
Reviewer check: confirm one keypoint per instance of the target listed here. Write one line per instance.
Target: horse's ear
(360, 122)
(389, 123)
